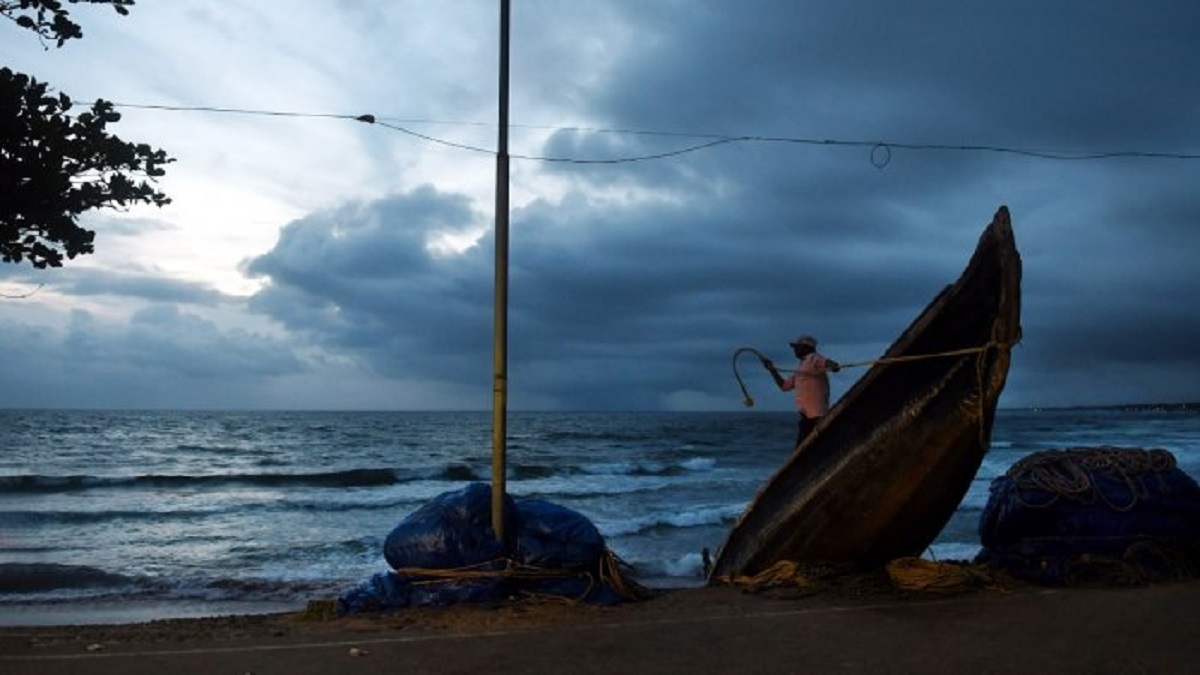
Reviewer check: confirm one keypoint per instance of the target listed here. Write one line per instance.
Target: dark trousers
(805, 427)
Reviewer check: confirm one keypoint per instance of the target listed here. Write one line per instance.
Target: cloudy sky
(314, 261)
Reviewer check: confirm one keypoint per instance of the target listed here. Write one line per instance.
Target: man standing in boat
(810, 381)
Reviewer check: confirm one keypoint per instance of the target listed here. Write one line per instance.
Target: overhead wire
(881, 150)
(237, 111)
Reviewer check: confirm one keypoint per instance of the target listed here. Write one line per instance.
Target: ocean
(110, 516)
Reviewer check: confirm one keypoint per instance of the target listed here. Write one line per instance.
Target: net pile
(1095, 514)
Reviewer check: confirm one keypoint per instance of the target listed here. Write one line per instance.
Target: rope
(510, 569)
(1071, 473)
(610, 572)
(612, 575)
(748, 400)
(782, 573)
(913, 574)
(917, 574)
(920, 357)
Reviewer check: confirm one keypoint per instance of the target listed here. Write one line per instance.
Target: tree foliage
(49, 20)
(55, 165)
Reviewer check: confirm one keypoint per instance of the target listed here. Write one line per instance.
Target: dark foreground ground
(868, 627)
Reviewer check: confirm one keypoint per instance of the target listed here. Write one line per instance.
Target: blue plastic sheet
(561, 547)
(451, 531)
(384, 590)
(554, 536)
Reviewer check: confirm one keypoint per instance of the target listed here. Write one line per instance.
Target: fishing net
(1096, 514)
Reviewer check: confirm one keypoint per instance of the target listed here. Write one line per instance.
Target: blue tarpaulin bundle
(450, 531)
(1060, 517)
(446, 552)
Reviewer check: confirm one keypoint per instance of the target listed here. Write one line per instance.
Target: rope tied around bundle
(608, 572)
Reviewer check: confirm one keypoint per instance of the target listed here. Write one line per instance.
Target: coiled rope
(909, 573)
(808, 576)
(782, 573)
(1071, 473)
(931, 576)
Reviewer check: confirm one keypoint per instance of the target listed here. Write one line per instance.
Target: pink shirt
(810, 380)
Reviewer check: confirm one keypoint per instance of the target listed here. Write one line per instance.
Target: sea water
(126, 515)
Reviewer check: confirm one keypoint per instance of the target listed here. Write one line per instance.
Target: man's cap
(804, 340)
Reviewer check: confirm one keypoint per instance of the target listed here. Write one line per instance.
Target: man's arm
(774, 373)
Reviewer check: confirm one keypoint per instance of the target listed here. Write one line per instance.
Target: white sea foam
(694, 517)
(307, 496)
(954, 551)
(687, 565)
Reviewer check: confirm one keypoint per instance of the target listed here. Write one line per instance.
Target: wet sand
(861, 626)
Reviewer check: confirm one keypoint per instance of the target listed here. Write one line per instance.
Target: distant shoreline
(1182, 407)
(1125, 407)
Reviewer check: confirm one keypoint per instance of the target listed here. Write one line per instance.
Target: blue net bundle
(446, 553)
(1093, 515)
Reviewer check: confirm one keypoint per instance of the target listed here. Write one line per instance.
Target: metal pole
(500, 339)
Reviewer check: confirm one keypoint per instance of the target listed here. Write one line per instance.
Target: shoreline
(855, 627)
(107, 612)
(101, 613)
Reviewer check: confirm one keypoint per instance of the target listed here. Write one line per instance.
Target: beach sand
(863, 625)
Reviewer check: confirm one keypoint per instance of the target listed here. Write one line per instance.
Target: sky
(312, 261)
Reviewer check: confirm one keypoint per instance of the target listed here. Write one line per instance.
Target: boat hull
(889, 464)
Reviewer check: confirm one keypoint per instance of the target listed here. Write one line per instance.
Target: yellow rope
(910, 573)
(610, 573)
(482, 570)
(1071, 473)
(920, 357)
(782, 573)
(917, 574)
(748, 400)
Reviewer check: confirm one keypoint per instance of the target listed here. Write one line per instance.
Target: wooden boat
(886, 468)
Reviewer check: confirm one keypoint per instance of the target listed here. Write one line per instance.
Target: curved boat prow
(891, 461)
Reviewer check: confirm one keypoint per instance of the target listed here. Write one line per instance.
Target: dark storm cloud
(610, 306)
(632, 282)
(632, 288)
(1030, 72)
(129, 284)
(162, 357)
(94, 282)
(180, 343)
(1109, 246)
(361, 280)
